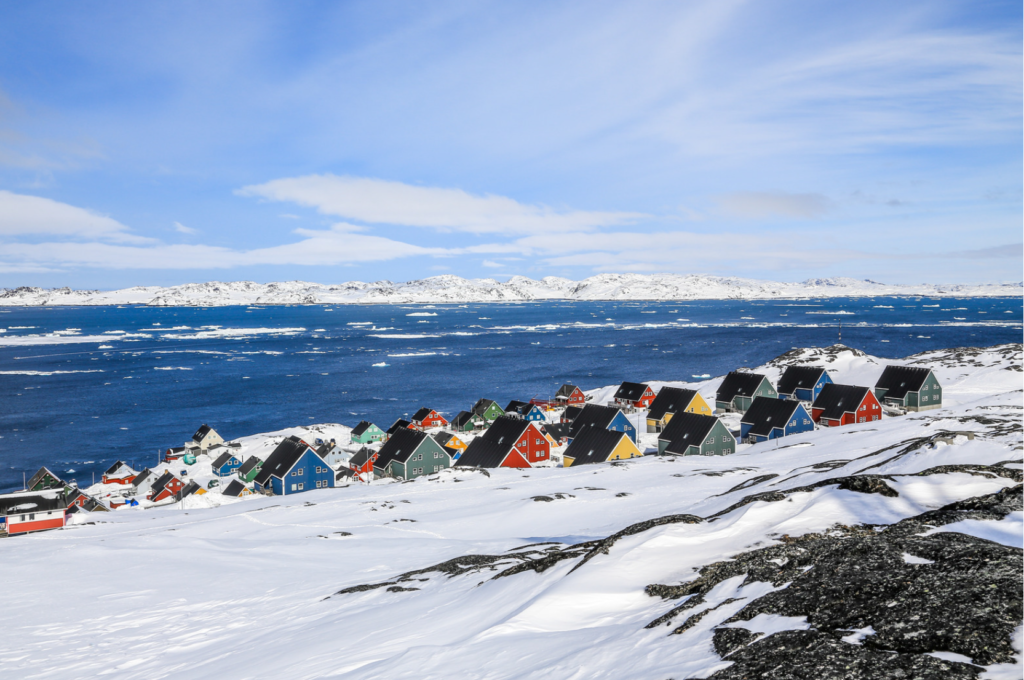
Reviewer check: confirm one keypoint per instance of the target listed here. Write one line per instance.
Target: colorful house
(844, 405)
(28, 511)
(226, 464)
(409, 454)
(250, 468)
(395, 427)
(119, 473)
(333, 454)
(362, 461)
(570, 395)
(425, 418)
(236, 489)
(910, 387)
(206, 437)
(633, 395)
(740, 388)
(143, 482)
(604, 417)
(557, 433)
(165, 487)
(769, 418)
(692, 434)
(190, 489)
(508, 442)
(366, 433)
(44, 479)
(293, 467)
(452, 444)
(467, 421)
(803, 383)
(487, 409)
(79, 499)
(526, 410)
(599, 446)
(673, 400)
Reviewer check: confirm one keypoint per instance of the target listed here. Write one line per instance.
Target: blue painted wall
(304, 473)
(228, 467)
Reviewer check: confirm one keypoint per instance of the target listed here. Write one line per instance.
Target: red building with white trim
(845, 405)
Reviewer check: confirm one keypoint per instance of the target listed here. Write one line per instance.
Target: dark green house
(691, 434)
(408, 454)
(488, 409)
(739, 389)
(250, 468)
(909, 387)
(44, 479)
(467, 421)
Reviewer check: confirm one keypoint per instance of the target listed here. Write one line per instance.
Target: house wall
(304, 473)
(514, 460)
(40, 521)
(228, 468)
(800, 422)
(696, 405)
(620, 423)
(719, 442)
(625, 449)
(433, 456)
(930, 395)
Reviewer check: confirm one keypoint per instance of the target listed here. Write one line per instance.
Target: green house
(467, 421)
(910, 387)
(739, 390)
(366, 433)
(692, 434)
(44, 479)
(408, 454)
(250, 468)
(488, 409)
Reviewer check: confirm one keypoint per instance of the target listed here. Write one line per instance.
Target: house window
(300, 486)
(862, 419)
(711, 441)
(874, 417)
(294, 486)
(436, 468)
(417, 471)
(294, 473)
(864, 407)
(806, 422)
(726, 451)
(542, 454)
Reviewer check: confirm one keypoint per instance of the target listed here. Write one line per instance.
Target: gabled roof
(360, 457)
(463, 418)
(282, 459)
(362, 427)
(397, 425)
(899, 380)
(835, 400)
(234, 489)
(343, 473)
(566, 390)
(491, 448)
(766, 413)
(481, 406)
(176, 449)
(799, 377)
(187, 490)
(400, 446)
(39, 476)
(90, 503)
(670, 400)
(520, 407)
(249, 464)
(593, 446)
(223, 459)
(146, 474)
(201, 433)
(685, 430)
(631, 391)
(421, 414)
(738, 383)
(442, 438)
(161, 482)
(557, 430)
(115, 470)
(32, 501)
(571, 412)
(593, 415)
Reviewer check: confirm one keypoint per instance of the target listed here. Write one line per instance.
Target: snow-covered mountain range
(449, 288)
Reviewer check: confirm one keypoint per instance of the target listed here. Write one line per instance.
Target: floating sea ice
(380, 365)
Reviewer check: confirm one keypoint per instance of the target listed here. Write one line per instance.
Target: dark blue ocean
(160, 372)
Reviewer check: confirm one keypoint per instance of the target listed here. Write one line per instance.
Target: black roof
(520, 407)
(442, 438)
(362, 427)
(161, 482)
(187, 490)
(482, 405)
(593, 415)
(491, 448)
(835, 400)
(571, 412)
(899, 380)
(113, 468)
(39, 476)
(566, 390)
(142, 476)
(557, 430)
(400, 446)
(738, 383)
(176, 449)
(397, 425)
(282, 459)
(670, 400)
(201, 432)
(799, 377)
(222, 459)
(593, 446)
(462, 418)
(235, 488)
(249, 464)
(343, 473)
(32, 501)
(685, 430)
(421, 414)
(90, 503)
(766, 413)
(361, 456)
(630, 390)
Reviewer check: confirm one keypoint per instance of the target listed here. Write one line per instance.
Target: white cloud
(384, 202)
(757, 205)
(22, 215)
(491, 263)
(179, 227)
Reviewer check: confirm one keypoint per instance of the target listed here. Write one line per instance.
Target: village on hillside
(571, 428)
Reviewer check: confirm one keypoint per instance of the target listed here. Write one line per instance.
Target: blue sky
(161, 143)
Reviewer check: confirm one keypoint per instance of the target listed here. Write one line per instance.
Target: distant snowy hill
(450, 289)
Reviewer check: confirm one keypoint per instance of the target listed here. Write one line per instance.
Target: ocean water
(83, 386)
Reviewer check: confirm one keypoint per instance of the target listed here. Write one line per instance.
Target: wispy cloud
(22, 215)
(759, 205)
(181, 228)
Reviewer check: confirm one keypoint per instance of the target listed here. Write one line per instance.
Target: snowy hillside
(881, 550)
(448, 288)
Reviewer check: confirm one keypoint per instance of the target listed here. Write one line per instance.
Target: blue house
(803, 383)
(606, 417)
(525, 410)
(769, 418)
(226, 464)
(293, 467)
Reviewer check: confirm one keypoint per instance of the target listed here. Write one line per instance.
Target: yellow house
(673, 400)
(598, 445)
(449, 440)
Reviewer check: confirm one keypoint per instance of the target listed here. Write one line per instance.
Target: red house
(570, 395)
(508, 442)
(166, 487)
(425, 418)
(362, 462)
(844, 405)
(636, 395)
(119, 473)
(23, 512)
